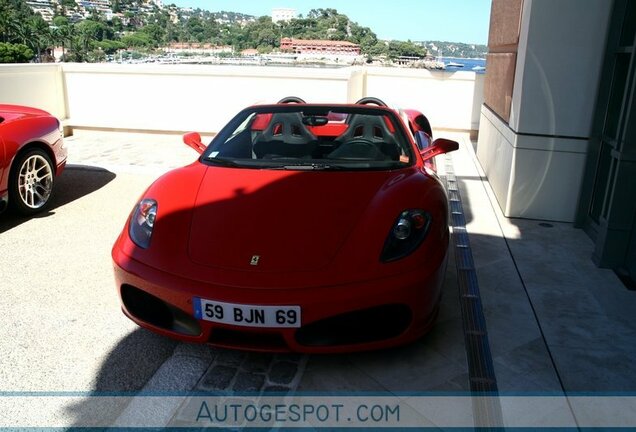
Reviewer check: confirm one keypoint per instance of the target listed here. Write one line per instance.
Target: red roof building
(327, 47)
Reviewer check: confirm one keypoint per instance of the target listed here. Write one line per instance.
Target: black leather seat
(285, 136)
(373, 129)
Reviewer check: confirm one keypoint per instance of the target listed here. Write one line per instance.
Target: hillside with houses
(101, 30)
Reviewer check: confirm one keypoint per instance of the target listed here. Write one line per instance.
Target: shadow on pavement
(75, 182)
(125, 371)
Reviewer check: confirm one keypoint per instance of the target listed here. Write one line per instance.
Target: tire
(31, 182)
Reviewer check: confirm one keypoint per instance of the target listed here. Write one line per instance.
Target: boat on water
(479, 68)
(454, 64)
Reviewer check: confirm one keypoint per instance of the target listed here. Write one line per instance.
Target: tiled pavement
(129, 151)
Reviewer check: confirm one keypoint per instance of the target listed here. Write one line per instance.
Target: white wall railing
(204, 98)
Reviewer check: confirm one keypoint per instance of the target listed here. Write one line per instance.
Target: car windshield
(312, 137)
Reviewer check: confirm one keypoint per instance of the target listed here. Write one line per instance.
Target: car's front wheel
(31, 182)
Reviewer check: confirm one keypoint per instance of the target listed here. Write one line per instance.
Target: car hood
(13, 112)
(277, 220)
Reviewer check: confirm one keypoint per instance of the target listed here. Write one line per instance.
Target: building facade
(283, 14)
(558, 126)
(326, 47)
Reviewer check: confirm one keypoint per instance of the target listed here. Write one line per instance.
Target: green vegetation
(14, 53)
(456, 49)
(20, 28)
(145, 29)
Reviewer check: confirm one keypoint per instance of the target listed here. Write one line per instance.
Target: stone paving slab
(249, 375)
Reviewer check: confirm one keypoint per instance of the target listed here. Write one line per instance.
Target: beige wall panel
(505, 16)
(498, 87)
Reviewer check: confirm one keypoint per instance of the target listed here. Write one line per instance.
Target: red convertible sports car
(32, 154)
(302, 227)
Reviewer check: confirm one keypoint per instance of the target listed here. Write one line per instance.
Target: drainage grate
(481, 372)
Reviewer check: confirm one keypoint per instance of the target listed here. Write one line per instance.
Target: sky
(444, 20)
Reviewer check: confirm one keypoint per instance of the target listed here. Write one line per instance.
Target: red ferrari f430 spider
(32, 154)
(301, 227)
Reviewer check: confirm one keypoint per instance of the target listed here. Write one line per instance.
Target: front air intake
(154, 311)
(363, 326)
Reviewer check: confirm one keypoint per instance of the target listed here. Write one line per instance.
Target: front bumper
(360, 316)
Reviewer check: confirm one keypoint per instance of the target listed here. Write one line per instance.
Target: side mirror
(440, 146)
(193, 139)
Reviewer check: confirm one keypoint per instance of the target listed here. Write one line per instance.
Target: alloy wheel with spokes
(32, 182)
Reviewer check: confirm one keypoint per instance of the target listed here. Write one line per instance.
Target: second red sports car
(302, 227)
(32, 154)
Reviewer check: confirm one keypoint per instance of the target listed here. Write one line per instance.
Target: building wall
(533, 149)
(503, 40)
(607, 209)
(204, 98)
(283, 14)
(317, 47)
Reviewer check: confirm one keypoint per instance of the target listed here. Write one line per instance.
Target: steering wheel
(371, 100)
(357, 149)
(291, 99)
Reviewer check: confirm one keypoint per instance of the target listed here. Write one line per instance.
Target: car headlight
(407, 233)
(142, 222)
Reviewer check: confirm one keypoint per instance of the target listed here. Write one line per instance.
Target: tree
(155, 33)
(15, 53)
(13, 15)
(194, 29)
(398, 49)
(109, 46)
(137, 40)
(41, 35)
(94, 30)
(68, 33)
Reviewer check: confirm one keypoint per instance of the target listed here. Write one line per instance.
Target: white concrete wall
(532, 177)
(450, 100)
(203, 98)
(184, 97)
(559, 61)
(41, 86)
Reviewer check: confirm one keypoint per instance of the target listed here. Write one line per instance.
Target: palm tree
(42, 34)
(58, 38)
(4, 24)
(10, 26)
(35, 34)
(65, 33)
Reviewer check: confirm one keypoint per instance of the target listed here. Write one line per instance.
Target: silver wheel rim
(35, 181)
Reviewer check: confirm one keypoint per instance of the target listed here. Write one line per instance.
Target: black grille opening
(150, 309)
(247, 339)
(363, 326)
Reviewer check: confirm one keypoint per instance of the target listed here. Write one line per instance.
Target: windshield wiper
(309, 167)
(221, 161)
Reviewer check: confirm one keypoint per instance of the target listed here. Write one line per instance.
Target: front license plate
(247, 315)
